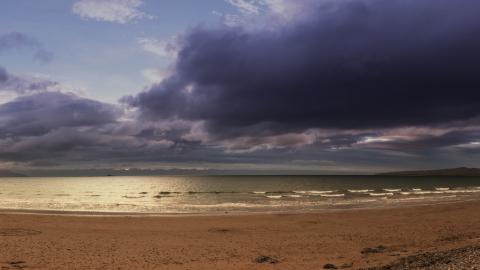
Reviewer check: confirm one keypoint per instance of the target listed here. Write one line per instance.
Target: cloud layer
(21, 85)
(348, 85)
(39, 125)
(116, 11)
(19, 41)
(353, 64)
(38, 114)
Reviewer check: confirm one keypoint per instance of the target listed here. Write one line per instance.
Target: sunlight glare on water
(219, 194)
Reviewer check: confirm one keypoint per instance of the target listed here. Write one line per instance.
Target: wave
(461, 191)
(381, 194)
(427, 192)
(225, 205)
(293, 196)
(315, 192)
(392, 189)
(424, 192)
(274, 196)
(205, 192)
(359, 190)
(133, 197)
(371, 192)
(412, 199)
(332, 195)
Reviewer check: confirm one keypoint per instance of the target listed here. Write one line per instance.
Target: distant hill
(7, 173)
(462, 171)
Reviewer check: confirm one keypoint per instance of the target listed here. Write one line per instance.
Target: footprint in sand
(17, 264)
(18, 232)
(219, 230)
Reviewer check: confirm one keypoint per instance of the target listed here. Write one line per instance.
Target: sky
(276, 86)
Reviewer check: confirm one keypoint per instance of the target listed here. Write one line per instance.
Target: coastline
(215, 196)
(74, 213)
(292, 240)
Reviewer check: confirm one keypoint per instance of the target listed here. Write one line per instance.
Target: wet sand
(351, 239)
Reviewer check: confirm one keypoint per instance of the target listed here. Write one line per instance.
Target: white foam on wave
(392, 189)
(359, 190)
(274, 196)
(424, 192)
(461, 191)
(367, 200)
(259, 192)
(416, 189)
(412, 199)
(320, 191)
(332, 195)
(442, 188)
(381, 194)
(223, 205)
(427, 192)
(420, 198)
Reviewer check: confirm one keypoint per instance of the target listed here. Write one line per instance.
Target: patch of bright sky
(104, 59)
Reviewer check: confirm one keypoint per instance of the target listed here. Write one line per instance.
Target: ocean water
(227, 194)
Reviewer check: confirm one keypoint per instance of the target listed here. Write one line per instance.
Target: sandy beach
(349, 239)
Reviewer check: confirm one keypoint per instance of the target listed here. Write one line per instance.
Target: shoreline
(73, 213)
(357, 238)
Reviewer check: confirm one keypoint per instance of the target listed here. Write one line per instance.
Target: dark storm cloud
(22, 85)
(20, 41)
(355, 85)
(40, 113)
(3, 75)
(352, 64)
(427, 142)
(57, 126)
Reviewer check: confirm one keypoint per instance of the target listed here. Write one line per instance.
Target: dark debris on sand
(265, 259)
(19, 264)
(462, 258)
(219, 230)
(378, 249)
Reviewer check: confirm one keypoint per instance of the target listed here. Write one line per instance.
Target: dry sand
(351, 238)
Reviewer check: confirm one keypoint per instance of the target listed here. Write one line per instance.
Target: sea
(197, 195)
